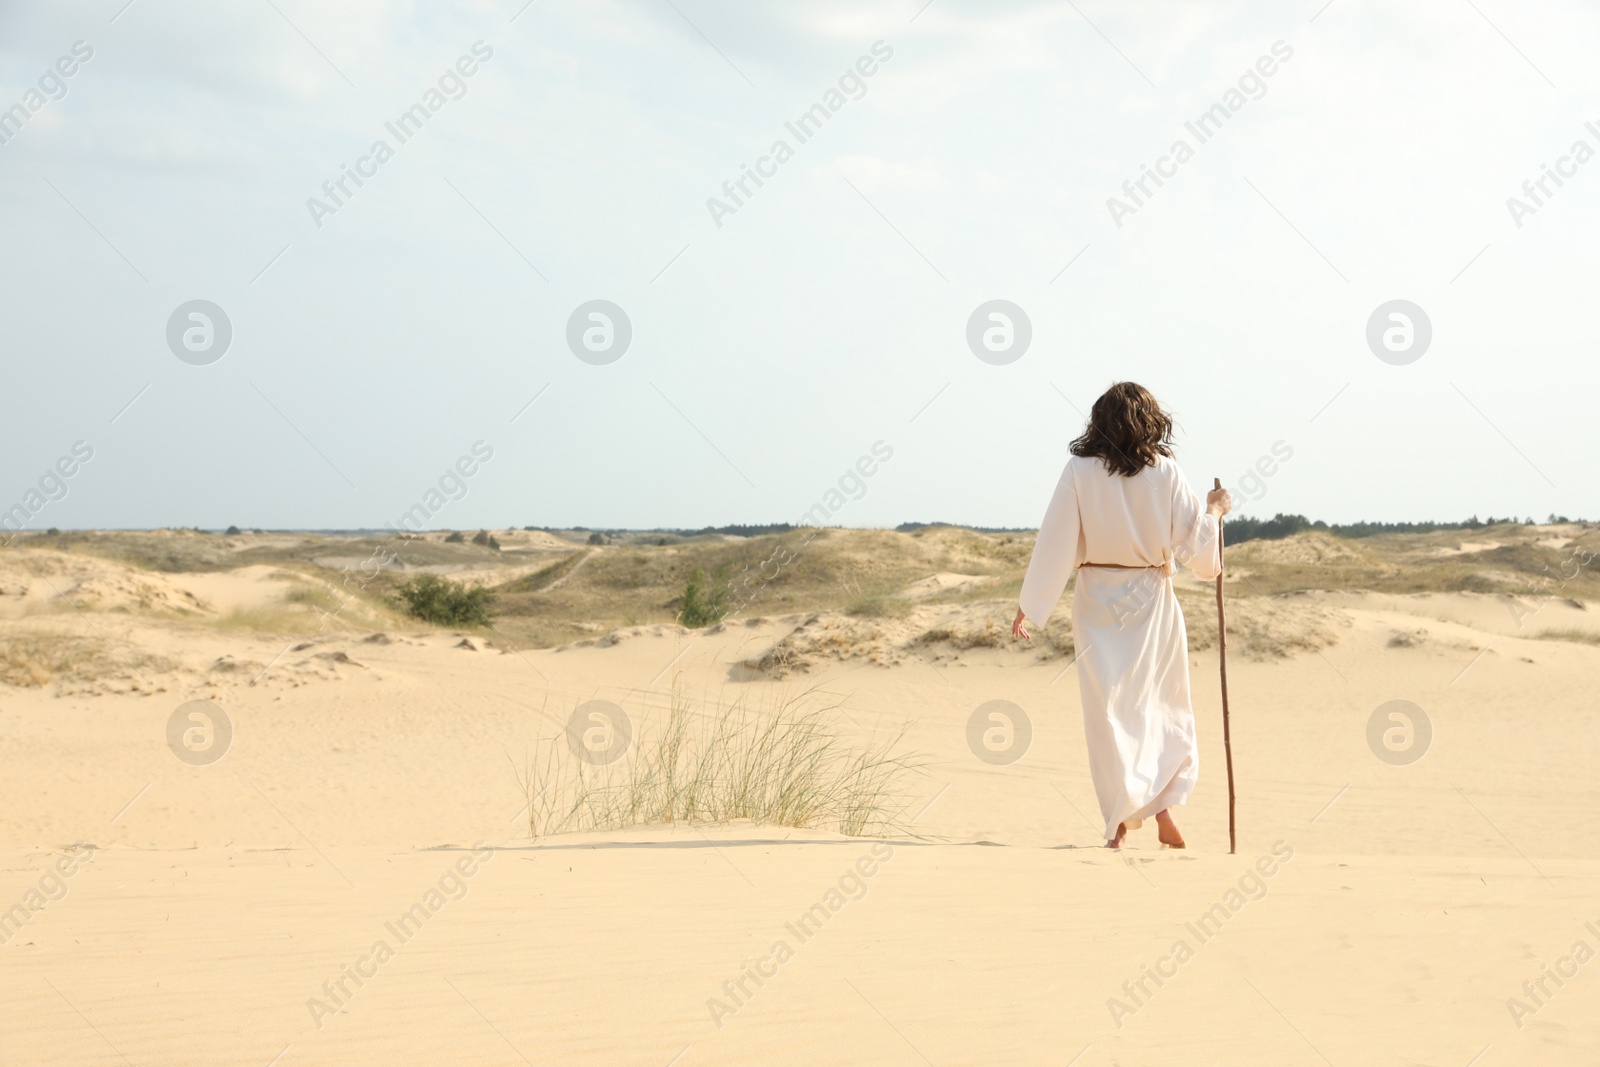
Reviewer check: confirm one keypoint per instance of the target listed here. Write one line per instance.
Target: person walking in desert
(1124, 518)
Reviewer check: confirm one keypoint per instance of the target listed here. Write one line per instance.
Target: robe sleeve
(1194, 532)
(1055, 553)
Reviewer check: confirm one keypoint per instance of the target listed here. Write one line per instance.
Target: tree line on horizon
(1239, 529)
(1280, 526)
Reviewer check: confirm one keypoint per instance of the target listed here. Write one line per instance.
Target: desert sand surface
(164, 912)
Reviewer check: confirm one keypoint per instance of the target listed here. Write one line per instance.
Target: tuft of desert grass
(1586, 637)
(991, 635)
(34, 659)
(781, 764)
(881, 606)
(29, 664)
(311, 604)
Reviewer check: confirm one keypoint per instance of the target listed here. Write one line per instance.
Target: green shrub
(703, 603)
(445, 603)
(455, 538)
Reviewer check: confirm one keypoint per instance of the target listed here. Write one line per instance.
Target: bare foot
(1122, 835)
(1167, 831)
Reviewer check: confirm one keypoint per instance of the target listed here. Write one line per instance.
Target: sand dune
(232, 912)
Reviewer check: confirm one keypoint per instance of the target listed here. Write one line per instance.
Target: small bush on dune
(704, 602)
(445, 603)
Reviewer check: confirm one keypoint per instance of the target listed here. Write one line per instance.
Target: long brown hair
(1127, 429)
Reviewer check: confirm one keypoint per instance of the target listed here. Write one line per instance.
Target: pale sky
(829, 311)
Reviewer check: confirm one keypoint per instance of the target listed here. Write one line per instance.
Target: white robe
(1132, 648)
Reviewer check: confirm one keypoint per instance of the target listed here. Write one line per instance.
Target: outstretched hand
(1019, 627)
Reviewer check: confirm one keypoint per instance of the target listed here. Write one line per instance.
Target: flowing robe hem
(1176, 794)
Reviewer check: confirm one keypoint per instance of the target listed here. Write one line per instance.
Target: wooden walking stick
(1222, 662)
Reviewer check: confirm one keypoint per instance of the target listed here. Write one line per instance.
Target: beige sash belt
(1164, 568)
